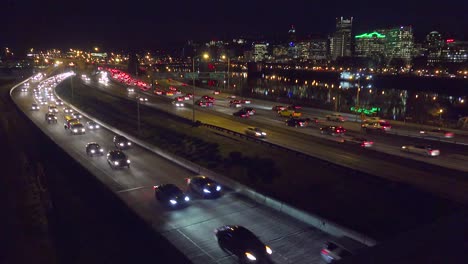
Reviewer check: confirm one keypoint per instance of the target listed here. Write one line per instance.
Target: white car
(335, 117)
(177, 103)
(67, 110)
(35, 107)
(130, 89)
(92, 125)
(255, 132)
(58, 102)
(425, 150)
(143, 99)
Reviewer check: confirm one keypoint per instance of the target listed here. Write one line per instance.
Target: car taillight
(324, 251)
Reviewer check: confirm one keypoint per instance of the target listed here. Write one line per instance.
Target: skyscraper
(399, 44)
(340, 43)
(370, 45)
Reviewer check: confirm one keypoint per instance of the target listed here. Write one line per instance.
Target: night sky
(163, 24)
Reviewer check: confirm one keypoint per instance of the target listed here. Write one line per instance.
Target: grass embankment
(362, 202)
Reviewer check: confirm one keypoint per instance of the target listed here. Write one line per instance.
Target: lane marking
(132, 189)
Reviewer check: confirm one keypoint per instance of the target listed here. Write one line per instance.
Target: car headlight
(268, 250)
(91, 127)
(206, 191)
(101, 150)
(257, 134)
(187, 198)
(250, 256)
(129, 143)
(121, 144)
(128, 161)
(263, 133)
(218, 188)
(97, 126)
(82, 130)
(116, 163)
(75, 130)
(173, 202)
(93, 151)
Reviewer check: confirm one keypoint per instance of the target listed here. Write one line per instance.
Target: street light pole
(206, 56)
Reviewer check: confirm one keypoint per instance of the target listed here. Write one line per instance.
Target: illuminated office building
(369, 45)
(340, 42)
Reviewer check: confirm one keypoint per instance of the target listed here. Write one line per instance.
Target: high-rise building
(370, 45)
(280, 53)
(399, 43)
(293, 52)
(260, 51)
(292, 34)
(303, 50)
(318, 49)
(340, 43)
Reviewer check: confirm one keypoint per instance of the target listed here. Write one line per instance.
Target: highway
(191, 228)
(397, 166)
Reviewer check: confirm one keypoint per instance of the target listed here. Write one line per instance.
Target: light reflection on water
(342, 95)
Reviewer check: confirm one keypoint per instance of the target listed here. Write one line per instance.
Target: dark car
(333, 130)
(359, 141)
(241, 113)
(255, 132)
(277, 108)
(94, 149)
(204, 186)
(77, 115)
(92, 125)
(249, 110)
(204, 103)
(171, 195)
(208, 98)
(297, 122)
(50, 118)
(117, 159)
(122, 142)
(241, 242)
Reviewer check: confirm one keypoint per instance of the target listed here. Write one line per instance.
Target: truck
(289, 113)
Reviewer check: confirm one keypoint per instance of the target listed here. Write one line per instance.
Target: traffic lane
(281, 233)
(198, 221)
(386, 167)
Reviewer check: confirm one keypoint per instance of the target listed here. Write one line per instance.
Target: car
(189, 95)
(77, 115)
(297, 122)
(24, 89)
(69, 120)
(438, 133)
(67, 110)
(289, 113)
(158, 91)
(186, 97)
(255, 132)
(249, 110)
(341, 247)
(58, 102)
(277, 108)
(377, 126)
(204, 186)
(142, 99)
(359, 141)
(241, 242)
(130, 89)
(42, 102)
(204, 103)
(216, 92)
(121, 142)
(333, 130)
(26, 84)
(35, 107)
(335, 117)
(93, 149)
(92, 125)
(178, 103)
(208, 98)
(170, 195)
(50, 118)
(235, 103)
(180, 98)
(294, 107)
(241, 113)
(245, 101)
(117, 159)
(425, 150)
(77, 129)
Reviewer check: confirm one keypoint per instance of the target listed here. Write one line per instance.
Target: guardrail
(311, 219)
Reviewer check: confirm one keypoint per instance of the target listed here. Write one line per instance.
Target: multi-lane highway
(385, 159)
(191, 228)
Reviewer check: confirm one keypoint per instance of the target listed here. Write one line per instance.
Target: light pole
(205, 56)
(228, 64)
(440, 114)
(138, 112)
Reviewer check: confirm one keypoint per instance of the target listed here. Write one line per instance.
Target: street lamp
(440, 114)
(228, 63)
(205, 56)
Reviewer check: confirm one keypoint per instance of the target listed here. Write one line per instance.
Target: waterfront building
(399, 43)
(340, 42)
(370, 45)
(454, 51)
(318, 49)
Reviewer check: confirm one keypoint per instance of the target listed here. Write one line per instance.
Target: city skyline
(118, 25)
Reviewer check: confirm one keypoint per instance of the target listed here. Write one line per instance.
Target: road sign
(217, 75)
(191, 75)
